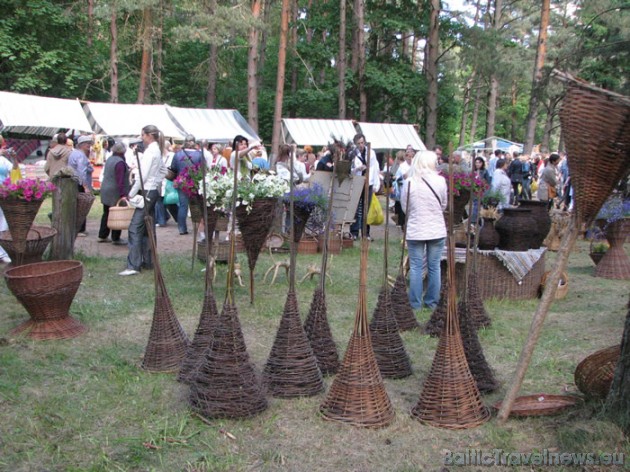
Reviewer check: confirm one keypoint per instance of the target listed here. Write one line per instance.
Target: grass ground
(85, 405)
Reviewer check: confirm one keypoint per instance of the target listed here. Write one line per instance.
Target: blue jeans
(182, 212)
(419, 252)
(358, 217)
(139, 256)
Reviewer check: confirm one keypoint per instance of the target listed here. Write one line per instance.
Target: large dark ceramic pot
(515, 228)
(489, 237)
(540, 212)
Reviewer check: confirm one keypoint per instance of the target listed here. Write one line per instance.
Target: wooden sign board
(346, 197)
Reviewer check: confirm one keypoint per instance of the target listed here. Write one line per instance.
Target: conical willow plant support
(291, 369)
(450, 397)
(20, 215)
(405, 317)
(388, 346)
(204, 334)
(437, 320)
(316, 324)
(357, 395)
(226, 384)
(168, 342)
(474, 302)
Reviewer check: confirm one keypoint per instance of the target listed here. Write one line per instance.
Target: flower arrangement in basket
(189, 180)
(219, 190)
(261, 185)
(491, 199)
(616, 208)
(306, 198)
(26, 189)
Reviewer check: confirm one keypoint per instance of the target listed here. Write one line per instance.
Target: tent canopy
(219, 126)
(391, 136)
(127, 120)
(40, 116)
(303, 131)
(493, 143)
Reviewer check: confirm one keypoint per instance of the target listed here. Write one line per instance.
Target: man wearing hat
(79, 161)
(188, 156)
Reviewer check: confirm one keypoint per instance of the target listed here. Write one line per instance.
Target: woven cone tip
(319, 334)
(291, 370)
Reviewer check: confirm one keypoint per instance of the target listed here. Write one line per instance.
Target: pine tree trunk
(293, 50)
(464, 123)
(211, 90)
(513, 115)
(145, 67)
(360, 17)
(494, 83)
(341, 60)
(159, 66)
(113, 56)
(618, 402)
(475, 114)
(282, 58)
(431, 72)
(262, 50)
(534, 99)
(252, 70)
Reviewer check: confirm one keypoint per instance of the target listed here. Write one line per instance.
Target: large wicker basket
(37, 240)
(120, 216)
(594, 375)
(46, 290)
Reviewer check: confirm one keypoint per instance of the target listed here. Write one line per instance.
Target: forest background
(459, 74)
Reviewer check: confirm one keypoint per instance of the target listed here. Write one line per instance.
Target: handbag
(171, 197)
(170, 174)
(120, 216)
(375, 213)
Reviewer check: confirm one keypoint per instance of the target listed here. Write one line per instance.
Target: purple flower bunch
(188, 180)
(615, 208)
(307, 197)
(467, 181)
(26, 189)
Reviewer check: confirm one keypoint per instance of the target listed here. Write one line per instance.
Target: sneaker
(104, 240)
(5, 259)
(184, 233)
(82, 234)
(120, 242)
(128, 272)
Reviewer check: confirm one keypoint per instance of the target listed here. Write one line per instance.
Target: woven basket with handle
(120, 216)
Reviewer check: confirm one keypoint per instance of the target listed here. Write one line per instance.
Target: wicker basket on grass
(37, 240)
(594, 375)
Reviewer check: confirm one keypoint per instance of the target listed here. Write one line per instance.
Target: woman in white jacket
(426, 229)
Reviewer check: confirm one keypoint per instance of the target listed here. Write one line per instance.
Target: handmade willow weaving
(20, 215)
(319, 334)
(37, 240)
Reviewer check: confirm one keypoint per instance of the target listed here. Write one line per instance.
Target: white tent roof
(303, 131)
(41, 116)
(120, 120)
(391, 136)
(212, 125)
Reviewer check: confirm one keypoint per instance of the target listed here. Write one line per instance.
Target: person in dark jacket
(515, 172)
(115, 186)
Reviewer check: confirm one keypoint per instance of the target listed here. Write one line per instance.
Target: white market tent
(40, 116)
(218, 126)
(303, 131)
(127, 120)
(387, 136)
(492, 143)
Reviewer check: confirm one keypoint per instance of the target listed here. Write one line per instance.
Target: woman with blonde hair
(423, 200)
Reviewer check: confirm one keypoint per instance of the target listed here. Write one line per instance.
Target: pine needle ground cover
(86, 405)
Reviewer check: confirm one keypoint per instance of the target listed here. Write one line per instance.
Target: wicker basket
(594, 375)
(563, 285)
(307, 246)
(120, 216)
(84, 205)
(20, 215)
(595, 126)
(46, 290)
(37, 240)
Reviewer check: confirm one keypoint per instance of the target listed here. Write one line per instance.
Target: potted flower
(20, 202)
(597, 250)
(465, 184)
(260, 186)
(305, 198)
(491, 200)
(188, 181)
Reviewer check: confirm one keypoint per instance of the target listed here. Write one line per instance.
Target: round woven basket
(46, 290)
(563, 285)
(120, 216)
(307, 246)
(594, 375)
(540, 404)
(84, 205)
(19, 214)
(37, 240)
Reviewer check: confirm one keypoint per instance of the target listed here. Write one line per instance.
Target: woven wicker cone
(435, 325)
(405, 317)
(255, 227)
(477, 310)
(615, 264)
(211, 223)
(37, 240)
(167, 344)
(595, 124)
(389, 350)
(479, 367)
(357, 395)
(318, 331)
(84, 204)
(204, 335)
(196, 210)
(301, 216)
(20, 215)
(226, 385)
(46, 290)
(594, 375)
(291, 369)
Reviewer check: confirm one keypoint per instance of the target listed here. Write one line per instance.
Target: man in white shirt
(359, 167)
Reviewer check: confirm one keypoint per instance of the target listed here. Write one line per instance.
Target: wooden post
(548, 296)
(64, 218)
